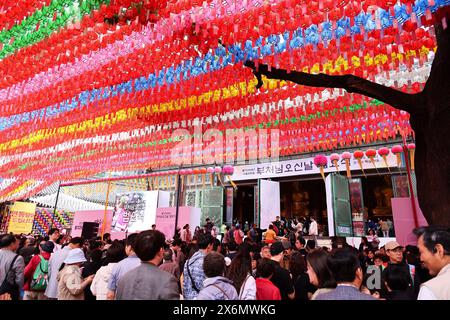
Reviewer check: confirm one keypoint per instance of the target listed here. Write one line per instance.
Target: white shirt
(57, 246)
(426, 294)
(248, 289)
(99, 286)
(313, 229)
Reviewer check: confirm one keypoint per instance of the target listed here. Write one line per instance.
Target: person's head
(176, 244)
(369, 253)
(394, 251)
(277, 251)
(300, 243)
(214, 265)
(364, 241)
(153, 226)
(47, 246)
(297, 265)
(310, 245)
(216, 245)
(149, 246)
(271, 227)
(378, 260)
(318, 270)
(345, 266)
(75, 257)
(54, 234)
(186, 226)
(265, 252)
(116, 252)
(232, 246)
(76, 242)
(95, 244)
(9, 242)
(167, 256)
(371, 232)
(205, 242)
(287, 247)
(396, 278)
(265, 268)
(277, 218)
(130, 243)
(30, 242)
(434, 247)
(208, 220)
(107, 238)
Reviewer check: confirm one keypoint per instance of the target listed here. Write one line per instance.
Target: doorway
(244, 208)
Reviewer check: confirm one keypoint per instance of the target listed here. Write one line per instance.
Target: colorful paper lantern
(321, 161)
(334, 158)
(383, 152)
(358, 155)
(397, 150)
(347, 156)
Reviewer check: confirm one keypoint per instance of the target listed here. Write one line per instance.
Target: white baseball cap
(75, 256)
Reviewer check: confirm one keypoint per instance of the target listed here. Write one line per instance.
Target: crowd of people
(223, 264)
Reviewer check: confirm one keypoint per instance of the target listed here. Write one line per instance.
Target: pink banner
(165, 219)
(404, 220)
(90, 216)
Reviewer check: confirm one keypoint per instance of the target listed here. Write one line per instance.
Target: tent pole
(106, 207)
(56, 202)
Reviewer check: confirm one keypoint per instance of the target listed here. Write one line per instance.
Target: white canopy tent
(66, 202)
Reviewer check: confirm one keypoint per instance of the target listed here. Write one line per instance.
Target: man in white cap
(434, 248)
(395, 253)
(71, 284)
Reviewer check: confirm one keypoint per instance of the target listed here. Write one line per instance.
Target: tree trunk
(430, 119)
(431, 124)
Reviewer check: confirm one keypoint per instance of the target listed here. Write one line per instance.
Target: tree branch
(401, 100)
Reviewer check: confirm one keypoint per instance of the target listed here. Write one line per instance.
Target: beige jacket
(440, 285)
(69, 283)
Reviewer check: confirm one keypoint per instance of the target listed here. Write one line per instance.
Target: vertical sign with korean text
(22, 217)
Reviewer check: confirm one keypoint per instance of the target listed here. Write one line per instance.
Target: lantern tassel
(411, 155)
(322, 173)
(232, 183)
(385, 161)
(347, 166)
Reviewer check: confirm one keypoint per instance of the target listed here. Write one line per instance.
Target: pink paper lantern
(346, 155)
(334, 157)
(320, 160)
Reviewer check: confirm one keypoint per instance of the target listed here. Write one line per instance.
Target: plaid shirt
(195, 265)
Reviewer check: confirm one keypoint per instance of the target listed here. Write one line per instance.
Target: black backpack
(8, 287)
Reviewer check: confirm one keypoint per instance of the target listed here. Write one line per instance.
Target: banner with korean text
(22, 217)
(305, 166)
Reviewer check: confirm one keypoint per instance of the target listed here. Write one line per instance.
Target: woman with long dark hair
(319, 273)
(364, 245)
(240, 272)
(297, 268)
